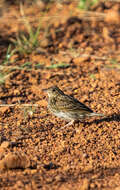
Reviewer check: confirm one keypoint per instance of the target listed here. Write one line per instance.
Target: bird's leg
(70, 123)
(67, 125)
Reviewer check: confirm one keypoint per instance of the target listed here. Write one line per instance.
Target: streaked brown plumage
(67, 107)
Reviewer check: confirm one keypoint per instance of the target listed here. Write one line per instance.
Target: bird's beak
(44, 90)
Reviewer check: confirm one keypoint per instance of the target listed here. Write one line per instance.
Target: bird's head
(53, 91)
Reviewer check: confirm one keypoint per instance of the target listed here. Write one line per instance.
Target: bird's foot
(67, 125)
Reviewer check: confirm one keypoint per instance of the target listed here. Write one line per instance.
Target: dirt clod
(14, 161)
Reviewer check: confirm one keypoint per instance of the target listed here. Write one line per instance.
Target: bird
(67, 107)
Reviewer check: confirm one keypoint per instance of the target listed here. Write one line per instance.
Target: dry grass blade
(118, 1)
(26, 22)
(88, 15)
(19, 105)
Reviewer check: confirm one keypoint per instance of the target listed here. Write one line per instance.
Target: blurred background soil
(46, 43)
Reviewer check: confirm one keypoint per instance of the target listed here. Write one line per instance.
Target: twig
(20, 105)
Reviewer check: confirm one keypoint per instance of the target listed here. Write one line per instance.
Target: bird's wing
(68, 103)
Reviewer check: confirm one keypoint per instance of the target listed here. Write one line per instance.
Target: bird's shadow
(113, 117)
(109, 118)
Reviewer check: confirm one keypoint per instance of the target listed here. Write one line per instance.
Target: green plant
(27, 65)
(114, 64)
(25, 43)
(4, 71)
(113, 61)
(28, 111)
(3, 77)
(8, 55)
(86, 4)
(59, 65)
(92, 76)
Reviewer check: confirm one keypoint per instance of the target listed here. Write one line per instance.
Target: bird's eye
(53, 90)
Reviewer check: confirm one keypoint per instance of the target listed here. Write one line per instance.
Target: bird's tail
(97, 114)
